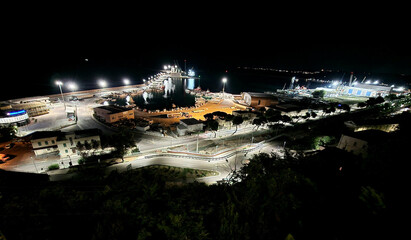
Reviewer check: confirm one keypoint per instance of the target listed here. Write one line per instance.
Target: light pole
(102, 83)
(73, 87)
(126, 81)
(60, 83)
(224, 81)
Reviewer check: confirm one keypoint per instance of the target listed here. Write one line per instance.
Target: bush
(53, 167)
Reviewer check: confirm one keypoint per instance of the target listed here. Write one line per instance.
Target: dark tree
(237, 120)
(212, 125)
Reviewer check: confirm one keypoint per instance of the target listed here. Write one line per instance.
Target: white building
(45, 143)
(189, 125)
(67, 142)
(358, 143)
(60, 143)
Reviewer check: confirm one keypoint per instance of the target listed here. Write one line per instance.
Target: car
(10, 145)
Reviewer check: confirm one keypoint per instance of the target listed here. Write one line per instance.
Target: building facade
(366, 90)
(111, 114)
(15, 118)
(63, 144)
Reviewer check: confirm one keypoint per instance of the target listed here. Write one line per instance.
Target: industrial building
(366, 90)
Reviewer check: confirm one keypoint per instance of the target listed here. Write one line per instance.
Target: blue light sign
(16, 113)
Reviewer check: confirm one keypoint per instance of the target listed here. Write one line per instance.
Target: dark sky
(53, 41)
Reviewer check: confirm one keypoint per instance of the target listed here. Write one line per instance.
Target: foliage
(53, 167)
(330, 195)
(237, 120)
(212, 125)
(318, 94)
(7, 132)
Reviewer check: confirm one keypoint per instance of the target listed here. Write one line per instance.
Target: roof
(370, 135)
(181, 126)
(80, 134)
(190, 121)
(44, 134)
(371, 86)
(261, 95)
(114, 109)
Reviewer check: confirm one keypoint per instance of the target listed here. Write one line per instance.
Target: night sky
(38, 52)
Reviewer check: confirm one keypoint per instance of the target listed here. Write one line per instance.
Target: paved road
(85, 118)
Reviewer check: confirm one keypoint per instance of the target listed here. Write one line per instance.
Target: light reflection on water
(173, 95)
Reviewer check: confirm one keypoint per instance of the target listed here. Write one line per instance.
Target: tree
(209, 116)
(7, 132)
(361, 104)
(258, 122)
(122, 141)
(220, 114)
(318, 94)
(212, 125)
(237, 120)
(346, 107)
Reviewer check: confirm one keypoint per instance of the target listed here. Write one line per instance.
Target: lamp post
(126, 81)
(102, 83)
(73, 87)
(60, 83)
(224, 81)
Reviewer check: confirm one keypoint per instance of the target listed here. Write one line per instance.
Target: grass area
(346, 99)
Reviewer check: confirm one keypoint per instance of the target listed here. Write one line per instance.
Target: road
(85, 118)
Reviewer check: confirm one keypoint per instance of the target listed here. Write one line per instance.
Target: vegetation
(331, 195)
(7, 133)
(53, 167)
(318, 94)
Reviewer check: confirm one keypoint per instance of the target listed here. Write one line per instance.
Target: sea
(209, 77)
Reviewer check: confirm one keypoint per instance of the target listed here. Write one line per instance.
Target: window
(64, 145)
(350, 91)
(53, 142)
(46, 142)
(368, 94)
(39, 143)
(66, 151)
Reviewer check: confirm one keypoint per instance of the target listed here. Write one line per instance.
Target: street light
(102, 83)
(72, 86)
(60, 83)
(224, 81)
(126, 81)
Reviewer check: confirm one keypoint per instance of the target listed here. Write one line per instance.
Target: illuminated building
(111, 114)
(14, 117)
